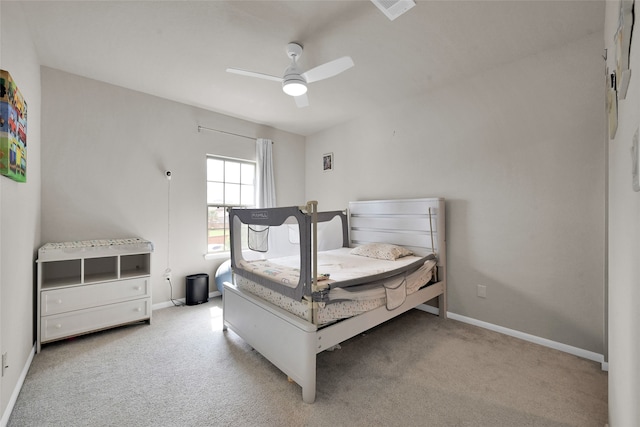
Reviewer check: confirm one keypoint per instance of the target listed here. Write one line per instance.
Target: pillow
(381, 251)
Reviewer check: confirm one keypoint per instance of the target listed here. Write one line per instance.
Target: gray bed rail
(270, 217)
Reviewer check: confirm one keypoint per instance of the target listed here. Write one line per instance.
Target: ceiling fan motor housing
(293, 83)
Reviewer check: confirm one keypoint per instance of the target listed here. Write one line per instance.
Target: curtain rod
(222, 131)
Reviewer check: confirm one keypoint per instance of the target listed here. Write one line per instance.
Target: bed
(305, 281)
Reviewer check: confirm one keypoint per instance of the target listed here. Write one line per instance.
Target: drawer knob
(138, 309)
(59, 301)
(58, 326)
(138, 288)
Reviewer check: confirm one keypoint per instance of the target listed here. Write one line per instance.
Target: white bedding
(344, 302)
(339, 264)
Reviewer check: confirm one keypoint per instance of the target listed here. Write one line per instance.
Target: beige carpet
(416, 370)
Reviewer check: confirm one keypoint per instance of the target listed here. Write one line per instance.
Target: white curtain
(265, 183)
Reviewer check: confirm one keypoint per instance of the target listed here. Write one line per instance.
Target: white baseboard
(585, 354)
(16, 390)
(166, 304)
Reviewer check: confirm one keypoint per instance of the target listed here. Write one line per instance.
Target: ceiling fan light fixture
(294, 86)
(295, 81)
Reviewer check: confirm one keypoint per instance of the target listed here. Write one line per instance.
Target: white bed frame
(291, 343)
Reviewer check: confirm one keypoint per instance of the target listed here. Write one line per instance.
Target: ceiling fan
(294, 82)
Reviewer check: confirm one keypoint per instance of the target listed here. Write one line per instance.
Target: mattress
(338, 266)
(341, 267)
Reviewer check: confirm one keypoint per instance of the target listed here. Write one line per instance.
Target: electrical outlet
(482, 291)
(5, 364)
(167, 274)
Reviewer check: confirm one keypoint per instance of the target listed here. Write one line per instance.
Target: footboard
(291, 343)
(285, 340)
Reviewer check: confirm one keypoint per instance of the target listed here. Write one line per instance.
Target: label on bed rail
(260, 215)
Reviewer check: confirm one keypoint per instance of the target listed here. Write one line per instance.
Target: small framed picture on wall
(327, 162)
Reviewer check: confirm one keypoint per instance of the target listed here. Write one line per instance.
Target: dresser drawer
(80, 321)
(79, 297)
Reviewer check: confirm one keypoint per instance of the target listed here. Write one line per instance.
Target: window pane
(215, 170)
(215, 193)
(232, 194)
(248, 173)
(229, 183)
(218, 231)
(247, 195)
(232, 172)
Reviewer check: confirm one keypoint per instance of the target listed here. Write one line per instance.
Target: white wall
(19, 210)
(624, 245)
(517, 152)
(107, 149)
(519, 155)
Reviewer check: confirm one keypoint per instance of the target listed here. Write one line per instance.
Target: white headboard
(417, 224)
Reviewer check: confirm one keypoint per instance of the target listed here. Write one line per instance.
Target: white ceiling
(180, 50)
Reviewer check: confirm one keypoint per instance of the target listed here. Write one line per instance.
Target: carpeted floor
(416, 370)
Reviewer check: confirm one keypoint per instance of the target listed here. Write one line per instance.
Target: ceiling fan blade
(302, 100)
(254, 74)
(329, 69)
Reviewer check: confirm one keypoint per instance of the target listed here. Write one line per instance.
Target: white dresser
(86, 286)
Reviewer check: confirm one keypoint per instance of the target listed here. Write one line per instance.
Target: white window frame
(224, 204)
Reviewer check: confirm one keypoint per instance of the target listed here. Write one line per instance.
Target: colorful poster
(13, 130)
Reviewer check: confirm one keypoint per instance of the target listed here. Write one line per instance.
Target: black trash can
(197, 289)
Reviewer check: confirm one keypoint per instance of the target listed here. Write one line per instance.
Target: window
(230, 184)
